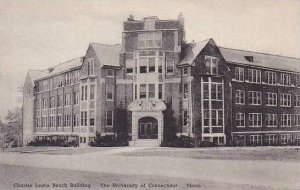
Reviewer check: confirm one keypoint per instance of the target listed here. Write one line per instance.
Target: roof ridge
(200, 41)
(260, 53)
(105, 44)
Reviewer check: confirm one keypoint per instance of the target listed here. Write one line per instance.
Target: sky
(37, 34)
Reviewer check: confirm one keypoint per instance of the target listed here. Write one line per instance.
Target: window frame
(237, 74)
(112, 118)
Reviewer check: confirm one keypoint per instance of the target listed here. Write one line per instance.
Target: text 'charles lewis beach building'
(156, 84)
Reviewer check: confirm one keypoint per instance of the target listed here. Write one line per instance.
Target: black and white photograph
(158, 95)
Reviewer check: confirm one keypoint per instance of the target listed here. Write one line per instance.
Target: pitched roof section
(261, 59)
(61, 68)
(34, 74)
(107, 55)
(191, 51)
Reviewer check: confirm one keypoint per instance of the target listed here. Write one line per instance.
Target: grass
(225, 153)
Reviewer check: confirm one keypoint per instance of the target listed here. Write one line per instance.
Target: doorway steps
(145, 143)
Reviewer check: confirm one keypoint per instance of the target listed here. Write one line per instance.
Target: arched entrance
(147, 122)
(148, 128)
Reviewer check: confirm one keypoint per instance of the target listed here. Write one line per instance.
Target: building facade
(155, 85)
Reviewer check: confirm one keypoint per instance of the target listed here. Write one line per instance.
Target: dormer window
(249, 58)
(211, 64)
(90, 65)
(149, 23)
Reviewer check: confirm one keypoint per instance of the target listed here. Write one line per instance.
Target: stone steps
(145, 143)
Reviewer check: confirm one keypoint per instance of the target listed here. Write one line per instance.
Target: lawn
(224, 153)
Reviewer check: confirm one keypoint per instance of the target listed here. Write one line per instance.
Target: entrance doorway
(148, 128)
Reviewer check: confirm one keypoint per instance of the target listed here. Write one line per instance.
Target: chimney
(181, 19)
(130, 18)
(181, 22)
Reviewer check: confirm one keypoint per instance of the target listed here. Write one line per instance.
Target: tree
(11, 129)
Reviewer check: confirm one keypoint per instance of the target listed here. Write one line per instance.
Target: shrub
(182, 141)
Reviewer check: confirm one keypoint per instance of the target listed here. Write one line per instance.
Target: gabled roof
(191, 51)
(261, 59)
(34, 74)
(107, 55)
(61, 68)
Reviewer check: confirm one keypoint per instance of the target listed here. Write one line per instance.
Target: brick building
(156, 84)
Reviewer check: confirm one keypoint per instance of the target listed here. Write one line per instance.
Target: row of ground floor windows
(271, 120)
(266, 139)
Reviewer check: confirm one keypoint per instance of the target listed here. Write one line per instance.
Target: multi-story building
(156, 85)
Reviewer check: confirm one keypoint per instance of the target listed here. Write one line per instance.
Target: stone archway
(149, 113)
(147, 128)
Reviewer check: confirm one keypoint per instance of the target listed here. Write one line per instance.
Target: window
(68, 79)
(271, 139)
(271, 120)
(92, 92)
(44, 121)
(109, 118)
(185, 118)
(254, 75)
(59, 120)
(37, 122)
(170, 67)
(297, 100)
(38, 103)
(92, 118)
(254, 98)
(297, 120)
(217, 117)
(143, 91)
(67, 121)
(285, 79)
(109, 72)
(52, 121)
(135, 92)
(67, 100)
(240, 97)
(185, 71)
(160, 91)
(271, 77)
(151, 91)
(185, 90)
(83, 118)
(52, 102)
(298, 80)
(151, 61)
(84, 93)
(109, 92)
(285, 138)
(90, 66)
(271, 99)
(129, 70)
(76, 120)
(254, 119)
(76, 76)
(59, 101)
(216, 91)
(206, 117)
(160, 63)
(205, 91)
(76, 98)
(240, 120)
(149, 39)
(285, 100)
(239, 74)
(256, 139)
(285, 120)
(211, 64)
(60, 82)
(44, 105)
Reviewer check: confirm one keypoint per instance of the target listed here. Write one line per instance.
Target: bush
(57, 142)
(182, 141)
(206, 144)
(108, 141)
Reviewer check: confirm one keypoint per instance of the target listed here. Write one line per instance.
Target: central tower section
(151, 50)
